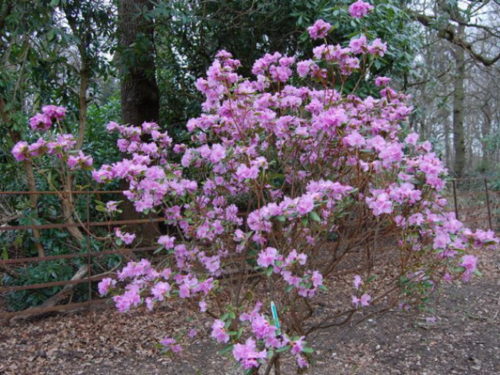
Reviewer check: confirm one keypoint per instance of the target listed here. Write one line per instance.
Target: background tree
(136, 56)
(471, 31)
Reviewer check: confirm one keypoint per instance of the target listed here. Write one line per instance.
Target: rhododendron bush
(286, 185)
(292, 183)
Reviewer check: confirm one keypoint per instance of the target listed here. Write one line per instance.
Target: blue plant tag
(276, 320)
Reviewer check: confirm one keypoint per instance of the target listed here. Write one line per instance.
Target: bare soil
(464, 339)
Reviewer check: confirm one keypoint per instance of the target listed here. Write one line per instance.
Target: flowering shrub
(285, 186)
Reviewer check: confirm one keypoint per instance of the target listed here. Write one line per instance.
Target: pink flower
(54, 112)
(38, 148)
(104, 285)
(363, 301)
(391, 154)
(301, 361)
(40, 122)
(218, 331)
(381, 204)
(411, 139)
(354, 140)
(305, 204)
(247, 354)
(357, 281)
(127, 238)
(112, 206)
(148, 127)
(319, 29)
(20, 151)
(358, 45)
(304, 67)
(171, 344)
(218, 153)
(243, 172)
(160, 289)
(298, 345)
(377, 48)
(79, 161)
(359, 9)
(267, 257)
(167, 242)
(382, 81)
(136, 269)
(317, 279)
(130, 298)
(469, 262)
(262, 328)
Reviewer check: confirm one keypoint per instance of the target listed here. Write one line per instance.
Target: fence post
(488, 202)
(455, 198)
(89, 260)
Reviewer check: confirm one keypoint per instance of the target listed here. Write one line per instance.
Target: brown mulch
(464, 339)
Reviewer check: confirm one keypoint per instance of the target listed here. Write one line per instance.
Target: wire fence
(473, 200)
(476, 202)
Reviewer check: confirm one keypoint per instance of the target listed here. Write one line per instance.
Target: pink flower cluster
(359, 9)
(79, 161)
(126, 238)
(319, 30)
(264, 331)
(61, 146)
(170, 343)
(50, 113)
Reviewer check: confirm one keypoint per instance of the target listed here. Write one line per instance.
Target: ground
(464, 339)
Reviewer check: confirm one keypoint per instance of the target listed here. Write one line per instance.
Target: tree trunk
(485, 134)
(447, 147)
(139, 90)
(458, 110)
(83, 104)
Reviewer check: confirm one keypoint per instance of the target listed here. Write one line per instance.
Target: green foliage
(56, 270)
(99, 142)
(40, 273)
(190, 33)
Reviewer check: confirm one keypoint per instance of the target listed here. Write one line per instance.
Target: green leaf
(226, 350)
(314, 216)
(281, 218)
(283, 349)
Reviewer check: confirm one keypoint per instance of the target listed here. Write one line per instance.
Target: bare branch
(449, 33)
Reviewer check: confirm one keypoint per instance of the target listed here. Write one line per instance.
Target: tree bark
(458, 110)
(81, 30)
(83, 104)
(139, 90)
(485, 134)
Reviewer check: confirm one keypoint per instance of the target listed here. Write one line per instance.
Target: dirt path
(465, 339)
